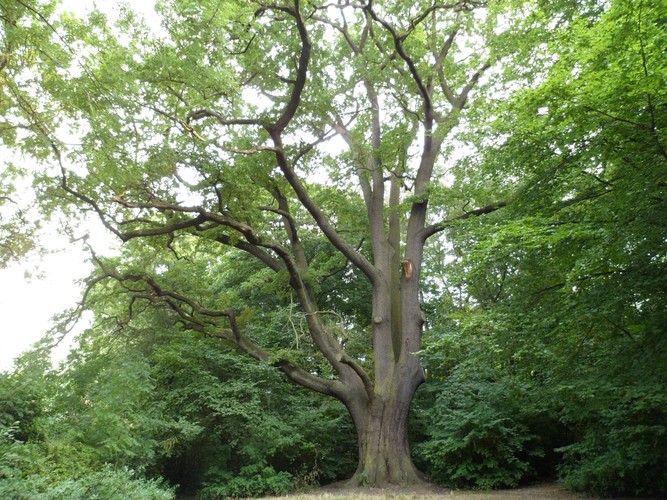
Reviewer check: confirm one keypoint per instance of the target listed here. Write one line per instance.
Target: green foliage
(164, 405)
(21, 399)
(16, 232)
(482, 419)
(185, 407)
(34, 466)
(106, 411)
(562, 294)
(252, 481)
(30, 55)
(619, 420)
(476, 436)
(20, 460)
(112, 483)
(105, 484)
(623, 451)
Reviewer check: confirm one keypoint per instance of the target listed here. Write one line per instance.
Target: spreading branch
(295, 262)
(200, 114)
(292, 105)
(440, 226)
(194, 316)
(400, 50)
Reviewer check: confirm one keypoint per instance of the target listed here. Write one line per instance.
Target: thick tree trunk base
(387, 469)
(384, 450)
(396, 480)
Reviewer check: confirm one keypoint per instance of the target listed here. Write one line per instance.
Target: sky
(28, 304)
(36, 289)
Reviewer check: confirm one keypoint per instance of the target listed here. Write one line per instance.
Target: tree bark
(382, 432)
(381, 415)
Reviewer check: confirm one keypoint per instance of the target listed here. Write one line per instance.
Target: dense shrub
(623, 447)
(27, 472)
(475, 436)
(253, 480)
(231, 415)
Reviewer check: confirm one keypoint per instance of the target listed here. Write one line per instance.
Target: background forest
(544, 349)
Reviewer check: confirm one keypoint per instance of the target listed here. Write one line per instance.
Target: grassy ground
(547, 491)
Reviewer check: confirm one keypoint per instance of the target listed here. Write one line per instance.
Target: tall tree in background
(311, 137)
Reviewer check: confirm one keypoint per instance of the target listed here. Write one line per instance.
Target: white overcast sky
(27, 304)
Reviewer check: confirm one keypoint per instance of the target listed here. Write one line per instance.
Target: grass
(546, 491)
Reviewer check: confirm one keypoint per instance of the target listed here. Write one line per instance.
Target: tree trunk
(380, 413)
(382, 432)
